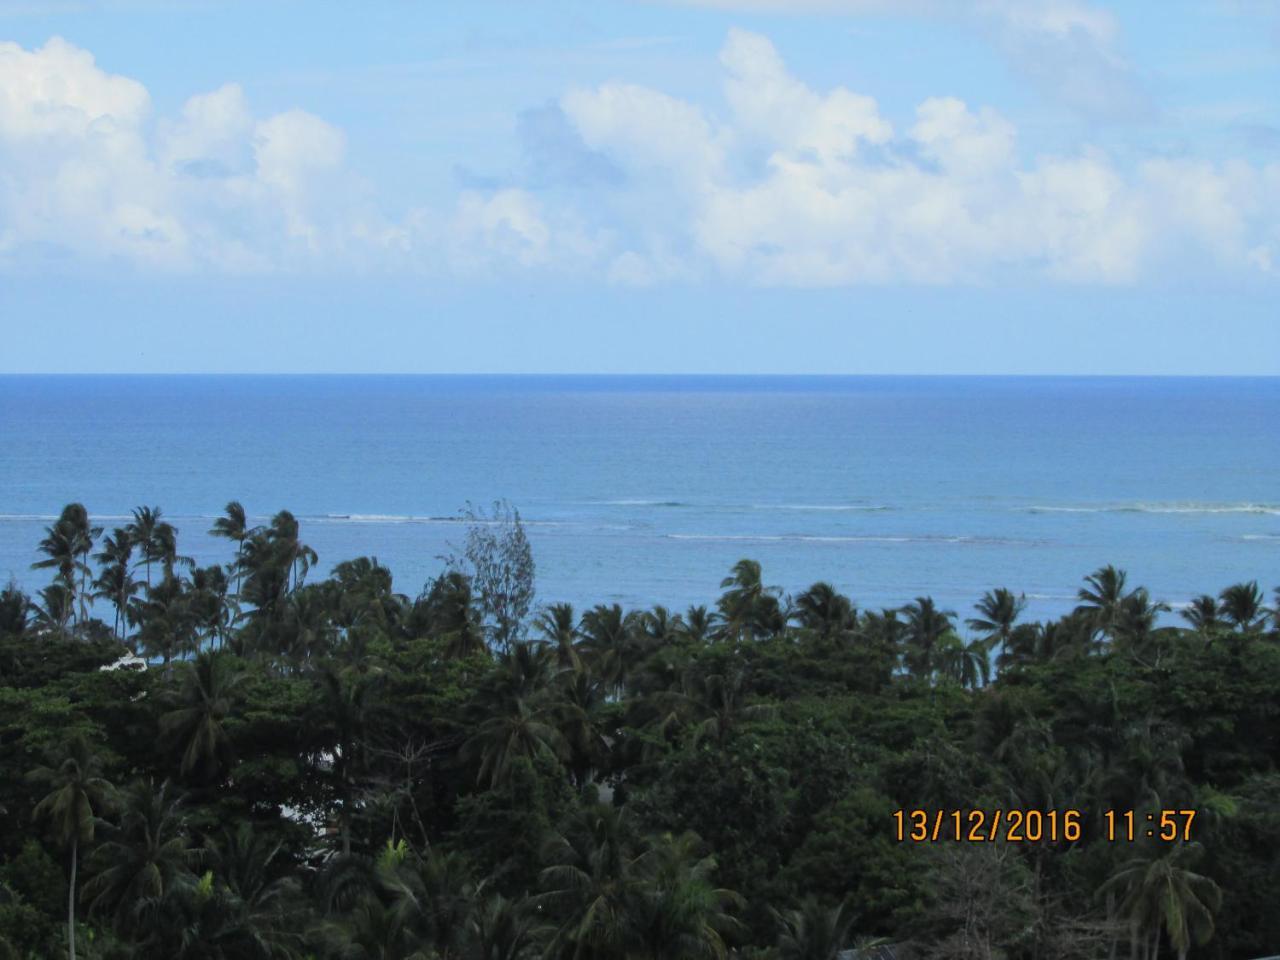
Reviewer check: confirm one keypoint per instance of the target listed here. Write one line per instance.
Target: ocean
(646, 489)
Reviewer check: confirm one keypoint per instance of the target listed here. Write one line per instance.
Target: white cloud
(785, 185)
(948, 201)
(1068, 48)
(87, 173)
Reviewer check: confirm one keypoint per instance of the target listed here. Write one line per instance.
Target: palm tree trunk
(71, 901)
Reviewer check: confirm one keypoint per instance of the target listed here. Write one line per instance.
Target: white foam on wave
(824, 507)
(815, 538)
(1261, 536)
(642, 503)
(1269, 509)
(401, 518)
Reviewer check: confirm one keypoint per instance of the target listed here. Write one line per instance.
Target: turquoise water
(645, 490)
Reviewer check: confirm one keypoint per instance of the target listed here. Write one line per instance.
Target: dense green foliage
(331, 769)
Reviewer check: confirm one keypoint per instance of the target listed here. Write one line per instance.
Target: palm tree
(502, 929)
(66, 545)
(234, 527)
(556, 624)
(678, 913)
(521, 730)
(968, 664)
(55, 609)
(348, 707)
(925, 625)
(430, 898)
(825, 611)
(998, 611)
(145, 860)
(1242, 606)
(813, 931)
(14, 609)
(207, 692)
(589, 884)
(1204, 614)
(116, 583)
(1101, 598)
(1160, 893)
(76, 790)
(697, 624)
(714, 704)
(609, 643)
(254, 872)
(448, 611)
(142, 533)
(748, 609)
(295, 556)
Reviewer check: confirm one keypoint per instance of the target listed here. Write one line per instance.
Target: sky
(706, 186)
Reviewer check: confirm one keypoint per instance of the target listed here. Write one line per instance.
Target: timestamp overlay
(1040, 826)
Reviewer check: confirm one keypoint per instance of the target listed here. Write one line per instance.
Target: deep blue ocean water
(646, 490)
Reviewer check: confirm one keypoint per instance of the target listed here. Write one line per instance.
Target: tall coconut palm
(448, 611)
(234, 527)
(968, 664)
(998, 612)
(556, 624)
(1242, 606)
(430, 898)
(502, 929)
(145, 859)
(677, 911)
(523, 729)
(15, 608)
(1204, 614)
(697, 624)
(66, 546)
(345, 715)
(748, 610)
(924, 625)
(295, 556)
(142, 533)
(1101, 598)
(207, 691)
(54, 610)
(813, 931)
(77, 791)
(826, 611)
(590, 885)
(610, 643)
(713, 705)
(115, 583)
(1161, 894)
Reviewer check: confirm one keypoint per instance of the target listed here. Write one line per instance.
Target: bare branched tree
(498, 560)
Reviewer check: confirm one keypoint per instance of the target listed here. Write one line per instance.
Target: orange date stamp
(1038, 826)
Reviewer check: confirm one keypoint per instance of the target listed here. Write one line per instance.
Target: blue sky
(825, 186)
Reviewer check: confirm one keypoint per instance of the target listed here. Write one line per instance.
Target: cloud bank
(784, 185)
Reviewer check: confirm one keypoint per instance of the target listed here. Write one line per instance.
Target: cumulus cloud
(89, 172)
(844, 198)
(1069, 49)
(783, 184)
